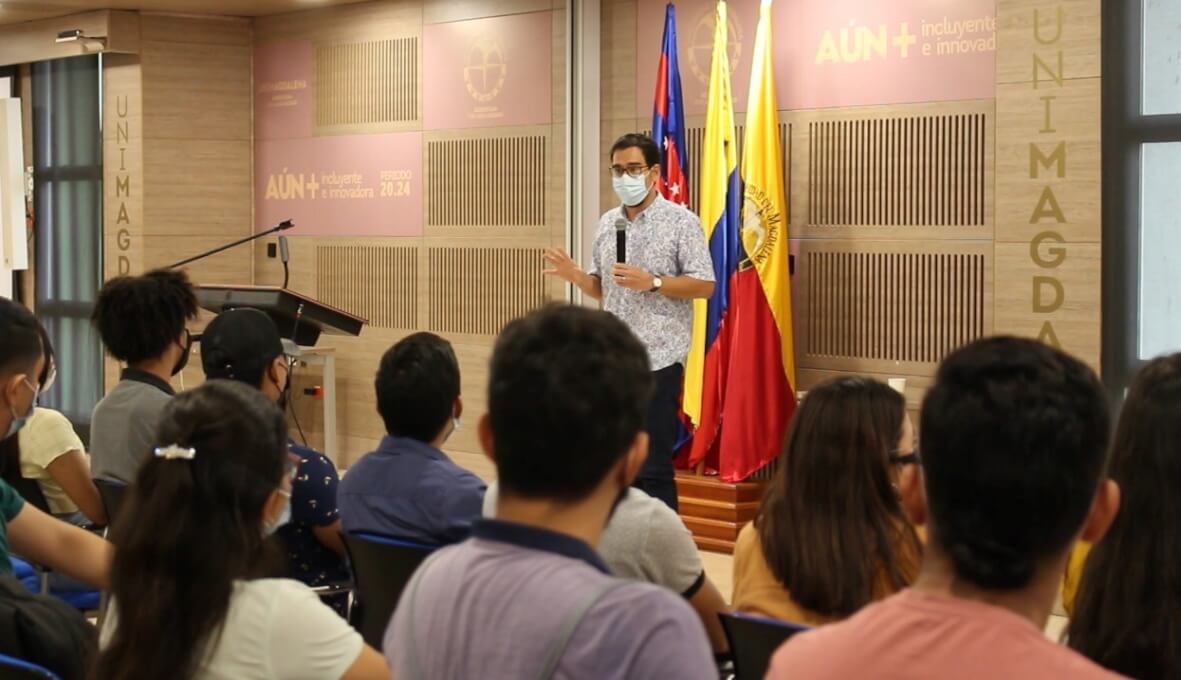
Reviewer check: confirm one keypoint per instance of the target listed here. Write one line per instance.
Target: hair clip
(175, 452)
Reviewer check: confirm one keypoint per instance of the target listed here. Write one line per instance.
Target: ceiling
(16, 11)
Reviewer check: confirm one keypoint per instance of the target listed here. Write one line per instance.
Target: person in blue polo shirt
(527, 596)
(408, 488)
(244, 345)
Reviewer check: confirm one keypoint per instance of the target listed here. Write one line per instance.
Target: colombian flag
(759, 394)
(706, 365)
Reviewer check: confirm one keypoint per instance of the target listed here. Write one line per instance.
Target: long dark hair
(831, 525)
(191, 528)
(1125, 617)
(10, 450)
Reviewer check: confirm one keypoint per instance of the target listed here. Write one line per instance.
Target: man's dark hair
(568, 392)
(139, 317)
(644, 143)
(1014, 441)
(417, 385)
(20, 338)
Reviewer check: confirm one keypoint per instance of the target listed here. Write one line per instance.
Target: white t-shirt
(275, 629)
(47, 436)
(644, 541)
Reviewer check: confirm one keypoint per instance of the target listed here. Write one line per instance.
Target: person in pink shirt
(1012, 472)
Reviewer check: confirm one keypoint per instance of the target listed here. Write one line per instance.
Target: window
(1141, 193)
(67, 178)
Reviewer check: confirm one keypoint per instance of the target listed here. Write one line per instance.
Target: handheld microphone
(284, 257)
(621, 240)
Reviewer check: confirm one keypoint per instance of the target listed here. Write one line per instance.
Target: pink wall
(833, 53)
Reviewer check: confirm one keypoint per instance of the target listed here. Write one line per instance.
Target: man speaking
(656, 263)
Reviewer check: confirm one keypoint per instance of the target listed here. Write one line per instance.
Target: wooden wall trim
(31, 41)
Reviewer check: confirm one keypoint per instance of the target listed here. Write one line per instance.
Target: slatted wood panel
(912, 307)
(379, 283)
(367, 82)
(898, 171)
(493, 181)
(695, 140)
(478, 290)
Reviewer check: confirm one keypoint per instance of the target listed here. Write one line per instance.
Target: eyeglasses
(911, 458)
(631, 170)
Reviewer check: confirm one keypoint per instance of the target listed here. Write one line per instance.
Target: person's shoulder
(607, 219)
(310, 456)
(638, 606)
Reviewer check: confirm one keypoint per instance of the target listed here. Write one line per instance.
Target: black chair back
(111, 493)
(382, 566)
(17, 669)
(31, 491)
(753, 640)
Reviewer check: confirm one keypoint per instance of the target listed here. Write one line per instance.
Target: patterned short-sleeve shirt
(666, 240)
(313, 504)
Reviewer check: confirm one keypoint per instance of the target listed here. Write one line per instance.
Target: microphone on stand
(621, 240)
(285, 257)
(282, 226)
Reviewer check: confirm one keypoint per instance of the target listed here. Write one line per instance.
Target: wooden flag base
(716, 511)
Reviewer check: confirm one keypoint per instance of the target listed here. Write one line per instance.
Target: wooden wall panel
(488, 180)
(198, 168)
(889, 307)
(914, 171)
(1049, 188)
(368, 84)
(379, 283)
(477, 290)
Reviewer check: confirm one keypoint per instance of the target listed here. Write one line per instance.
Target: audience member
(1124, 616)
(831, 535)
(409, 488)
(49, 451)
(1014, 440)
(33, 534)
(645, 540)
(244, 345)
(141, 320)
(190, 597)
(527, 595)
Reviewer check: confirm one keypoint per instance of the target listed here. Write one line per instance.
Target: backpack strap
(408, 632)
(566, 632)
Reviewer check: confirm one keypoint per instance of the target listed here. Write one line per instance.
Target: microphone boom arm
(282, 226)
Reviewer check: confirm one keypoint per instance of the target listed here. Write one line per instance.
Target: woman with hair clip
(48, 451)
(831, 535)
(191, 597)
(1125, 613)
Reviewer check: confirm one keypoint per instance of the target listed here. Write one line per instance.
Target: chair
(15, 669)
(382, 566)
(84, 599)
(111, 493)
(753, 639)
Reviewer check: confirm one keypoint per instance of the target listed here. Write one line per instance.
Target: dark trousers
(658, 478)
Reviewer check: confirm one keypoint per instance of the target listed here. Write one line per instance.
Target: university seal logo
(761, 226)
(485, 71)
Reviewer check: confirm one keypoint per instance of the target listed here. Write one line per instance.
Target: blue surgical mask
(284, 515)
(631, 190)
(18, 422)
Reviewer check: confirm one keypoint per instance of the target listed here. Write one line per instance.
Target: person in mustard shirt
(831, 535)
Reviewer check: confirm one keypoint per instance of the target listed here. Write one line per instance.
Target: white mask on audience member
(284, 515)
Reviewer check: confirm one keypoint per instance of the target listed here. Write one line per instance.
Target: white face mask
(283, 518)
(631, 190)
(18, 421)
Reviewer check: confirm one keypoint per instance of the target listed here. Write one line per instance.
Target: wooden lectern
(299, 318)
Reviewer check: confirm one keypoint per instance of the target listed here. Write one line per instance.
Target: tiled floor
(719, 567)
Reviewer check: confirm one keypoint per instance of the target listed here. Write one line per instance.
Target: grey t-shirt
(123, 426)
(644, 541)
(494, 606)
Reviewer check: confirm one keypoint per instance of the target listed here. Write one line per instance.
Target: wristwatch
(657, 282)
